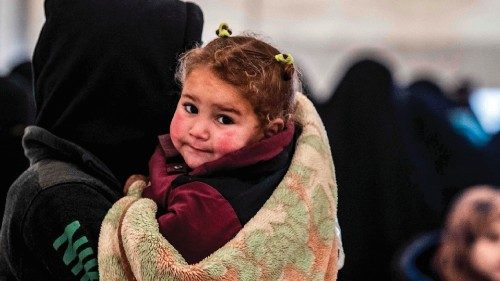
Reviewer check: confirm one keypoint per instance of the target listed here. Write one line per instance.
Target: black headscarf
(104, 74)
(377, 203)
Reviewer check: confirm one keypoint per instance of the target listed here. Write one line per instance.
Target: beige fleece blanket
(293, 236)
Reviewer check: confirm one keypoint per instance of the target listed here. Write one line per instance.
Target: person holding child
(104, 88)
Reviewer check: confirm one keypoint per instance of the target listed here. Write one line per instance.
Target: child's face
(211, 119)
(485, 256)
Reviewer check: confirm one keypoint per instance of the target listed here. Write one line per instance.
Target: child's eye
(190, 108)
(223, 119)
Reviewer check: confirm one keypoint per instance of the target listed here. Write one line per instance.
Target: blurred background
(450, 38)
(409, 92)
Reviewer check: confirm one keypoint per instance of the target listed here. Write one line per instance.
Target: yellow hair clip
(284, 58)
(223, 30)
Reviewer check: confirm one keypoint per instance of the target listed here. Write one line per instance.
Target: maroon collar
(263, 150)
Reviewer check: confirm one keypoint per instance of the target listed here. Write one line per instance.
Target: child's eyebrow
(226, 108)
(193, 98)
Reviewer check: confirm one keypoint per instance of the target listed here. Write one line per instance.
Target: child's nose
(200, 130)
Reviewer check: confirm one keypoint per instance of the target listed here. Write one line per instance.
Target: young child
(230, 143)
(470, 246)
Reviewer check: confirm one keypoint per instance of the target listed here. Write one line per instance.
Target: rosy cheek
(176, 125)
(228, 142)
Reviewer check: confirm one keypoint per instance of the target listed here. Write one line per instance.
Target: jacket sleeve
(160, 180)
(61, 228)
(198, 221)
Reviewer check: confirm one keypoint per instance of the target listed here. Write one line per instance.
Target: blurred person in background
(439, 134)
(379, 206)
(17, 111)
(470, 242)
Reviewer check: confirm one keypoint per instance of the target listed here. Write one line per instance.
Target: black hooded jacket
(104, 89)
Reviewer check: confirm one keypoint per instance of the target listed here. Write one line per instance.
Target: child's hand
(132, 179)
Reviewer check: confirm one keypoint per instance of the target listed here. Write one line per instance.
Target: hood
(104, 74)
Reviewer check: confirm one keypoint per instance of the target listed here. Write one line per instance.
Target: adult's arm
(61, 228)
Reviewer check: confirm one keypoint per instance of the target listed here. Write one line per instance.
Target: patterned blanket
(292, 237)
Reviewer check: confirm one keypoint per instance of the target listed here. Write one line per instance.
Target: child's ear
(275, 126)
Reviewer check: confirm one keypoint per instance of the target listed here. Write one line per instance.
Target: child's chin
(194, 164)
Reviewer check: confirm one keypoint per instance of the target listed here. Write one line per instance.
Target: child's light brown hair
(248, 64)
(470, 218)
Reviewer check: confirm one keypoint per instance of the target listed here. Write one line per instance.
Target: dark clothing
(202, 209)
(380, 207)
(416, 261)
(16, 112)
(452, 161)
(40, 208)
(16, 104)
(104, 74)
(104, 88)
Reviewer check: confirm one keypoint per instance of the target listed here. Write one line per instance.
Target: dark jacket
(202, 209)
(104, 89)
(41, 222)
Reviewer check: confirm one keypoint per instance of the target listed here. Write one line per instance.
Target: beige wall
(449, 39)
(20, 23)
